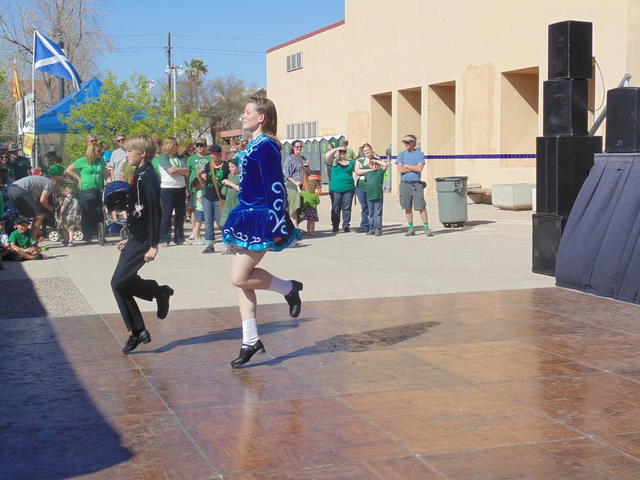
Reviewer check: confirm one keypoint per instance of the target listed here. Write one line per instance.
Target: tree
(225, 98)
(7, 131)
(195, 68)
(129, 108)
(77, 23)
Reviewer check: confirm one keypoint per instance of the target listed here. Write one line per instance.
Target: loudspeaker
(562, 166)
(623, 120)
(570, 49)
(565, 107)
(547, 231)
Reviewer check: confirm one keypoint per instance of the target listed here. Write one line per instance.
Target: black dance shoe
(135, 340)
(163, 301)
(246, 352)
(293, 298)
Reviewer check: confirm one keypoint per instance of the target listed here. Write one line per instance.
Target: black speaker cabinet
(547, 231)
(570, 49)
(623, 120)
(565, 107)
(562, 166)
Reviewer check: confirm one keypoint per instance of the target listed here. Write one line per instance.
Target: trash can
(452, 200)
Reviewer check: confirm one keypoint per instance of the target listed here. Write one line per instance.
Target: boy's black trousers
(127, 284)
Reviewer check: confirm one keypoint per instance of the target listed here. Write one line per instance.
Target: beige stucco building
(464, 76)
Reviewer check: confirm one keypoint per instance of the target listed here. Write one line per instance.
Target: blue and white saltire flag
(49, 57)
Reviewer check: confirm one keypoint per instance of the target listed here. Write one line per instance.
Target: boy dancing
(144, 217)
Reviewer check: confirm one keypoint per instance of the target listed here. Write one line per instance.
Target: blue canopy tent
(50, 129)
(50, 122)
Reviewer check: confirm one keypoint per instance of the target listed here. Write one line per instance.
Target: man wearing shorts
(410, 164)
(31, 195)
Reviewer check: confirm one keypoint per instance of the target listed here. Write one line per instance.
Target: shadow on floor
(228, 334)
(49, 426)
(361, 342)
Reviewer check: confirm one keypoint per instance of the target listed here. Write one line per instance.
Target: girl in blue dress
(259, 223)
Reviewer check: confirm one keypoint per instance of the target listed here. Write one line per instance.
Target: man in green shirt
(195, 164)
(54, 167)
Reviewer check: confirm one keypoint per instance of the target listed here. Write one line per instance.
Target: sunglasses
(119, 140)
(342, 151)
(200, 145)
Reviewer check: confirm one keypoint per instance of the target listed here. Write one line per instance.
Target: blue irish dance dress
(259, 221)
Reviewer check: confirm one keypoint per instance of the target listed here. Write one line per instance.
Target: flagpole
(33, 89)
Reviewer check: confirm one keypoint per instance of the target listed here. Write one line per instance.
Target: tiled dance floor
(525, 384)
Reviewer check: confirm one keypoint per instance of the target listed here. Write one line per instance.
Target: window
(294, 62)
(302, 130)
(312, 129)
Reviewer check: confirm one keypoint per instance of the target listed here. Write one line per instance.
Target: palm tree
(195, 68)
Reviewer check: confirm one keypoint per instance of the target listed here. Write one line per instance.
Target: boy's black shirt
(144, 222)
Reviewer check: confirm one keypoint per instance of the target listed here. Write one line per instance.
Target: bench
(477, 194)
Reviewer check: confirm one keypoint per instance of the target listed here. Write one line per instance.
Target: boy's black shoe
(163, 301)
(335, 229)
(346, 229)
(135, 340)
(293, 298)
(209, 249)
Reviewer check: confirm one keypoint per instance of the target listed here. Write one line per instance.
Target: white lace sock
(283, 287)
(250, 331)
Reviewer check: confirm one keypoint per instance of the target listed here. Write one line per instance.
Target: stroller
(114, 198)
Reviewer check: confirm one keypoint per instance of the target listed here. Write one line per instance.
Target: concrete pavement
(493, 252)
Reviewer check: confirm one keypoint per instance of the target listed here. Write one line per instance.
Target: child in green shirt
(310, 202)
(230, 190)
(22, 245)
(374, 178)
(197, 189)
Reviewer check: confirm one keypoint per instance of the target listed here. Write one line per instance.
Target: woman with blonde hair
(89, 171)
(259, 223)
(173, 192)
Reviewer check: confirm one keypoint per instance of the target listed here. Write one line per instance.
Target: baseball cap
(215, 149)
(22, 220)
(408, 138)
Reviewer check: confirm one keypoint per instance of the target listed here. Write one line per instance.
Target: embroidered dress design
(259, 221)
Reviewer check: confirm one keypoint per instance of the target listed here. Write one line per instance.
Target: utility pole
(169, 64)
(60, 79)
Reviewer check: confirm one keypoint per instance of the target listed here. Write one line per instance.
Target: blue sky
(199, 27)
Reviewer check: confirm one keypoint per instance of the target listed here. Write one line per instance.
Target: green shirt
(231, 196)
(199, 193)
(91, 174)
(373, 184)
(309, 199)
(342, 178)
(195, 162)
(54, 170)
(360, 181)
(22, 240)
(156, 166)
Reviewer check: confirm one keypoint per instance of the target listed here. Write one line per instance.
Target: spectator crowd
(198, 185)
